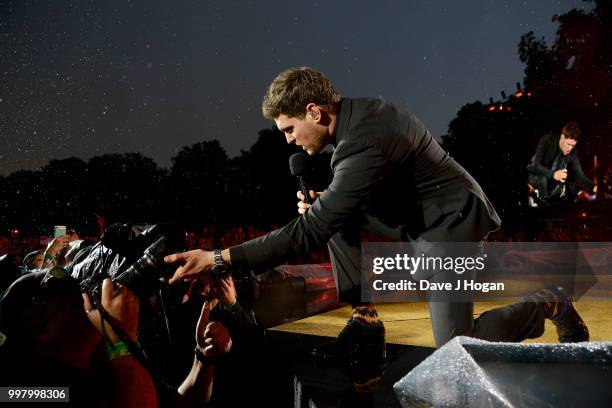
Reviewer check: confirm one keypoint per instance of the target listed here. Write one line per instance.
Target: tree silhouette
(65, 190)
(574, 76)
(197, 184)
(271, 188)
(124, 188)
(571, 80)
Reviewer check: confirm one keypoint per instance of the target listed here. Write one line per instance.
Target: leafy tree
(267, 184)
(64, 191)
(270, 188)
(124, 188)
(570, 80)
(574, 76)
(198, 182)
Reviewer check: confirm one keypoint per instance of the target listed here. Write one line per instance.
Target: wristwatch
(219, 266)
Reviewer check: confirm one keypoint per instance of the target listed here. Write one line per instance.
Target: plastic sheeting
(467, 372)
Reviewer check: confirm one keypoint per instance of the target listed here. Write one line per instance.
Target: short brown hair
(571, 131)
(295, 88)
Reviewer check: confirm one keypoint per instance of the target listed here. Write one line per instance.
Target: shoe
(558, 307)
(360, 352)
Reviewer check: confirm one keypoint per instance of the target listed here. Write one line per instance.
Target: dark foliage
(568, 81)
(203, 187)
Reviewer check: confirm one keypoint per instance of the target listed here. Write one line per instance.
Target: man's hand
(56, 246)
(121, 304)
(560, 175)
(193, 264)
(302, 206)
(225, 291)
(212, 338)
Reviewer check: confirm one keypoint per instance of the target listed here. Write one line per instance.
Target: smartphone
(59, 230)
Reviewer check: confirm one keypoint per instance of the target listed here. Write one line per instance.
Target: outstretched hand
(193, 264)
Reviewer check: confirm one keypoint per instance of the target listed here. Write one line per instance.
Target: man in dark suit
(555, 170)
(390, 178)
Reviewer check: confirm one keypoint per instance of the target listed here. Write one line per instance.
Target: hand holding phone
(59, 230)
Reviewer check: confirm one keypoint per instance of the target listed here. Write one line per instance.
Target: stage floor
(409, 324)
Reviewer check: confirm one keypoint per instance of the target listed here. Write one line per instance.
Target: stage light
(501, 107)
(491, 108)
(583, 214)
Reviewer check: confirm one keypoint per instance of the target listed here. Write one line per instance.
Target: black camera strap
(131, 346)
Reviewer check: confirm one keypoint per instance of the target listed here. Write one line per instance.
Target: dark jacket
(544, 158)
(391, 177)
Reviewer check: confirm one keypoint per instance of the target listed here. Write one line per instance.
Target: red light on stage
(491, 108)
(528, 93)
(501, 107)
(519, 94)
(583, 214)
(509, 108)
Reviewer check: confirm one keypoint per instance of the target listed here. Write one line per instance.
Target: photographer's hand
(132, 385)
(57, 244)
(194, 264)
(53, 250)
(225, 291)
(122, 306)
(212, 338)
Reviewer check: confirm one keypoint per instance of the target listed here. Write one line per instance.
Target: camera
(141, 277)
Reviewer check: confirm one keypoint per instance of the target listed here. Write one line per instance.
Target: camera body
(141, 277)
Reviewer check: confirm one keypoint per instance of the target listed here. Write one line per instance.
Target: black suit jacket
(391, 177)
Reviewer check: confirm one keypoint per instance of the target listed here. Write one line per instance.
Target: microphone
(298, 164)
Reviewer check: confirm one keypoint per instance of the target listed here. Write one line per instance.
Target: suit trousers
(512, 323)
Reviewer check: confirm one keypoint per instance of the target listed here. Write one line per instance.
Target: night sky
(84, 78)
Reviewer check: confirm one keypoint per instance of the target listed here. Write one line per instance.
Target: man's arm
(536, 166)
(212, 341)
(578, 175)
(132, 383)
(197, 387)
(358, 169)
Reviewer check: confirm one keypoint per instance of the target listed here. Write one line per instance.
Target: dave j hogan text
(423, 284)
